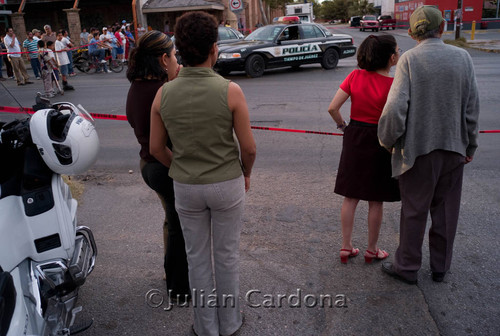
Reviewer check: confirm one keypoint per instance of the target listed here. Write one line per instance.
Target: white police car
(286, 43)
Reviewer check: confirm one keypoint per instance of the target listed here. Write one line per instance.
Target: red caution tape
(9, 109)
(83, 47)
(294, 130)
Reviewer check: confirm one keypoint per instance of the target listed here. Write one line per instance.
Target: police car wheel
(330, 59)
(254, 66)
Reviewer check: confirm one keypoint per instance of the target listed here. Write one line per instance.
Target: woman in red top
(365, 167)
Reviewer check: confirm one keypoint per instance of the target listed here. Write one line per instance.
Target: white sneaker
(109, 71)
(103, 61)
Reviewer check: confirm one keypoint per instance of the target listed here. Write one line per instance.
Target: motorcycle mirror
(41, 102)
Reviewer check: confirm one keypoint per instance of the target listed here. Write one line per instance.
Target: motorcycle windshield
(82, 112)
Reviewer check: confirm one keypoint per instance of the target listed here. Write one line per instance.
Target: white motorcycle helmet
(66, 138)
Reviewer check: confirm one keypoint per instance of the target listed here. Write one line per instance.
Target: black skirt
(365, 167)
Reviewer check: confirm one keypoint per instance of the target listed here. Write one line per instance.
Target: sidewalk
(484, 40)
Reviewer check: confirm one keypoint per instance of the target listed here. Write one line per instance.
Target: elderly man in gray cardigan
(430, 125)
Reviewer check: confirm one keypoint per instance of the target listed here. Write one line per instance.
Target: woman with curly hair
(151, 64)
(199, 112)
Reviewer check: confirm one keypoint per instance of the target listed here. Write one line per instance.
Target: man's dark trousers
(434, 184)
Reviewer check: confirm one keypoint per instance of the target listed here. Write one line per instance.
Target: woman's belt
(361, 123)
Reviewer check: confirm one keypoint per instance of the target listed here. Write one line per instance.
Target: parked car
(284, 44)
(228, 35)
(386, 21)
(369, 22)
(355, 21)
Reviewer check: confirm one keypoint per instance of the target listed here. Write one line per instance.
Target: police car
(286, 43)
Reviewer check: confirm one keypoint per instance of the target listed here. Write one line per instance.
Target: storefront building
(479, 11)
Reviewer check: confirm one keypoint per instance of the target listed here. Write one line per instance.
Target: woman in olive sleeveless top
(198, 112)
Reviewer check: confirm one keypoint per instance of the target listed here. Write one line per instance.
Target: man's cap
(424, 19)
(124, 21)
(104, 28)
(34, 31)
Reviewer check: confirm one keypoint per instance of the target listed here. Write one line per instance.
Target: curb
(496, 51)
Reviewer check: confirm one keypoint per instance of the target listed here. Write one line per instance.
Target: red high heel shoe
(352, 253)
(369, 255)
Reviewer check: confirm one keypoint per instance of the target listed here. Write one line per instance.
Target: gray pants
(434, 184)
(210, 216)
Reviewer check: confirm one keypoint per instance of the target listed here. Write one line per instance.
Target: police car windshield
(267, 33)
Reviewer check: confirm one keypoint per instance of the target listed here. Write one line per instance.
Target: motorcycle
(81, 59)
(44, 256)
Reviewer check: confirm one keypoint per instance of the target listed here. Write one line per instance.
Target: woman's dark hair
(375, 51)
(144, 58)
(195, 34)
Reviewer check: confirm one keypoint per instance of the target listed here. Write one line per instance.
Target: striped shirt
(32, 47)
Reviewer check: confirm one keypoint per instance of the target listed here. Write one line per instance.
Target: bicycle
(85, 65)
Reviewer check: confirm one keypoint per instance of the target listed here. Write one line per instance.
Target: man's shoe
(109, 71)
(103, 61)
(19, 84)
(38, 78)
(388, 268)
(438, 276)
(28, 82)
(68, 88)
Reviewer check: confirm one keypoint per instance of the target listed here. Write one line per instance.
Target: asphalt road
(291, 232)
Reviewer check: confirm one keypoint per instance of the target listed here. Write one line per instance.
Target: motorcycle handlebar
(15, 134)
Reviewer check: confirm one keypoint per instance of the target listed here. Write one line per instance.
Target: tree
(335, 10)
(361, 7)
(276, 3)
(263, 12)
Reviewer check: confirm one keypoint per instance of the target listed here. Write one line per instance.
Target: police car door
(313, 40)
(288, 47)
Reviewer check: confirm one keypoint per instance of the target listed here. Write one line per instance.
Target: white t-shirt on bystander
(62, 56)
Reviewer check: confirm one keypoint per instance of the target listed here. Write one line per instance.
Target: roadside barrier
(10, 109)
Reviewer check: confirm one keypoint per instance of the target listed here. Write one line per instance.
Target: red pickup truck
(369, 22)
(386, 21)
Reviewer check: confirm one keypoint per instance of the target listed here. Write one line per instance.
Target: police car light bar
(287, 19)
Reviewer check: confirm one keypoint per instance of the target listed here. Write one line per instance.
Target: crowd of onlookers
(50, 54)
(117, 40)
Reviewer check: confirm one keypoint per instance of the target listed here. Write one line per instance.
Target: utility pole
(458, 19)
